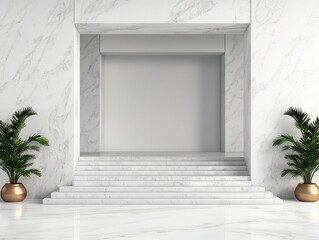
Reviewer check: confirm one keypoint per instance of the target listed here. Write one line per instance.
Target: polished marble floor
(32, 220)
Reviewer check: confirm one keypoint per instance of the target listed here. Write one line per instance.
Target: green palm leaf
(303, 153)
(16, 159)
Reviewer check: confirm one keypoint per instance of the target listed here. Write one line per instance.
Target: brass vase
(307, 192)
(13, 192)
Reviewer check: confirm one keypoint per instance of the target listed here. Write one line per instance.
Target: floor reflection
(32, 220)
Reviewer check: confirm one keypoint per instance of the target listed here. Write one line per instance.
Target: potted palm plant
(302, 154)
(16, 158)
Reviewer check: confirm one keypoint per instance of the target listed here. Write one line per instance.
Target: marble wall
(37, 57)
(247, 97)
(234, 93)
(90, 93)
(36, 69)
(284, 72)
(164, 11)
(162, 17)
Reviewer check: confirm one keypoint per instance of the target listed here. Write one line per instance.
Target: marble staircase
(157, 178)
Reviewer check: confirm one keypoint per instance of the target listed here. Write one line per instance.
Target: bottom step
(161, 195)
(270, 201)
(130, 189)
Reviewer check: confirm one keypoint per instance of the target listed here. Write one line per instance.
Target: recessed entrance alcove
(160, 96)
(162, 92)
(164, 117)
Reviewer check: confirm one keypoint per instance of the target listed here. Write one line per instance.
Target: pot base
(13, 192)
(307, 192)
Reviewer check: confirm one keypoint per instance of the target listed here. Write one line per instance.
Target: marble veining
(161, 28)
(100, 7)
(165, 11)
(292, 220)
(90, 93)
(284, 73)
(234, 93)
(189, 9)
(37, 57)
(36, 69)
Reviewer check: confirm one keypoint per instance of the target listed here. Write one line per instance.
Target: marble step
(196, 157)
(161, 173)
(162, 189)
(161, 195)
(154, 183)
(260, 201)
(161, 178)
(159, 168)
(161, 163)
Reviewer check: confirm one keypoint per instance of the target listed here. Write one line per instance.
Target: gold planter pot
(13, 192)
(307, 192)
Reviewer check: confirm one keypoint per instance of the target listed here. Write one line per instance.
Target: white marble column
(234, 93)
(90, 93)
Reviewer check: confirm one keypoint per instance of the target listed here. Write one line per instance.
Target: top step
(161, 156)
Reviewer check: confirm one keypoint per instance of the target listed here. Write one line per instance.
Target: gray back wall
(161, 103)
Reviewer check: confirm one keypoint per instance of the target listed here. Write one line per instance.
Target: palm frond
(18, 119)
(301, 118)
(292, 172)
(38, 139)
(15, 153)
(283, 139)
(303, 153)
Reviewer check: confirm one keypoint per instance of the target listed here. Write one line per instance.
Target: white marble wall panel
(285, 72)
(234, 93)
(162, 28)
(77, 92)
(164, 11)
(36, 69)
(90, 93)
(247, 98)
